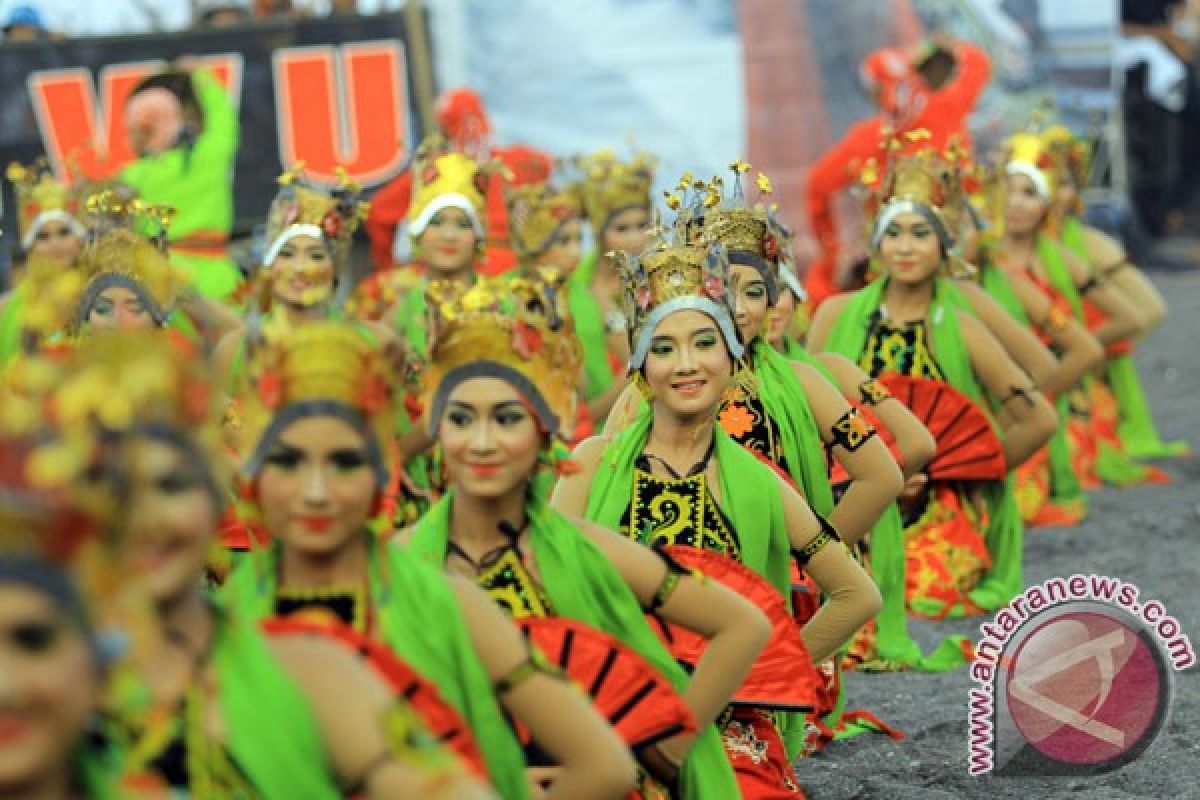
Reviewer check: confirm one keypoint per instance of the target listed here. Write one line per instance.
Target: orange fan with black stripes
(442, 720)
(639, 702)
(783, 676)
(967, 446)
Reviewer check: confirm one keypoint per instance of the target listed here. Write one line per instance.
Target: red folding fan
(783, 675)
(442, 720)
(641, 705)
(967, 446)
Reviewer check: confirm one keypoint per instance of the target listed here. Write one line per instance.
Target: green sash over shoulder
(10, 324)
(590, 328)
(1005, 530)
(749, 495)
(785, 401)
(421, 621)
(273, 736)
(583, 585)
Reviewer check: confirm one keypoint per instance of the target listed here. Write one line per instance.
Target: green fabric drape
(273, 736)
(785, 402)
(583, 585)
(590, 328)
(1005, 530)
(10, 325)
(748, 494)
(420, 620)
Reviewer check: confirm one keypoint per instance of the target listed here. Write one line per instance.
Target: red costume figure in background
(464, 122)
(906, 103)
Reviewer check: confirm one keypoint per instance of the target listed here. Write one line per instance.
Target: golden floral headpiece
(915, 178)
(323, 368)
(442, 179)
(303, 209)
(609, 185)
(42, 198)
(124, 258)
(672, 275)
(750, 233)
(516, 329)
(536, 213)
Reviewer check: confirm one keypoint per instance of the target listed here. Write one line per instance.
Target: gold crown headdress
(323, 368)
(83, 411)
(302, 209)
(122, 258)
(1072, 158)
(40, 199)
(442, 178)
(749, 233)
(672, 275)
(515, 329)
(915, 178)
(609, 185)
(536, 213)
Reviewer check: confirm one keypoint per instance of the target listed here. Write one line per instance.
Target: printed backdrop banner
(324, 92)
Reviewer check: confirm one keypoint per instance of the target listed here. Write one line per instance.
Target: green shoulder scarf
(1005, 531)
(583, 585)
(785, 402)
(10, 325)
(272, 733)
(748, 491)
(421, 621)
(590, 328)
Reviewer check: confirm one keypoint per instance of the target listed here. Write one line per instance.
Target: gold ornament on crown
(521, 323)
(608, 185)
(336, 212)
(915, 172)
(121, 255)
(536, 213)
(327, 360)
(736, 223)
(38, 192)
(438, 171)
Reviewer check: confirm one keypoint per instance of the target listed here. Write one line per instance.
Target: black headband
(303, 409)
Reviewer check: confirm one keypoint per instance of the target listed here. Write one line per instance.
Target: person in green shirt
(189, 170)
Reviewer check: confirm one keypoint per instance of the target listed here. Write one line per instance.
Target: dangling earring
(643, 387)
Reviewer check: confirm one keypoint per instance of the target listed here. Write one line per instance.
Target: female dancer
(316, 417)
(209, 707)
(48, 230)
(685, 348)
(307, 243)
(1109, 262)
(960, 557)
(1047, 489)
(51, 659)
(616, 199)
(545, 225)
(1029, 249)
(501, 385)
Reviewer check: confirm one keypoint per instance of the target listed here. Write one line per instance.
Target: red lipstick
(12, 729)
(484, 470)
(316, 524)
